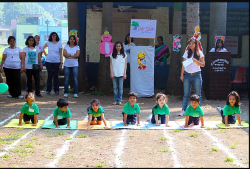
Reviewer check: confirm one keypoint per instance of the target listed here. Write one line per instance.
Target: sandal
(115, 103)
(120, 104)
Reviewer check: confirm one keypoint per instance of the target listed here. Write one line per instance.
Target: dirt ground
(44, 148)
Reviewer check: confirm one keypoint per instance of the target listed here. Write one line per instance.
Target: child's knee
(27, 122)
(99, 122)
(92, 122)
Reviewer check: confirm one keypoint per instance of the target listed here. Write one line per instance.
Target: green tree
(54, 8)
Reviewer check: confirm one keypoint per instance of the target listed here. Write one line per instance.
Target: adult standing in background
(54, 61)
(13, 67)
(71, 53)
(161, 52)
(127, 44)
(219, 46)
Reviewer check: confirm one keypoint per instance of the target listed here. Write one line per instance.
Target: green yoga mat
(48, 124)
(245, 125)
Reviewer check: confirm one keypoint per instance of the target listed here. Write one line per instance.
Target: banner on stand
(143, 28)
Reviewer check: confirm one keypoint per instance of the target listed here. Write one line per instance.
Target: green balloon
(3, 87)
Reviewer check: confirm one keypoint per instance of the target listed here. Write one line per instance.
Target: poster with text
(231, 44)
(143, 28)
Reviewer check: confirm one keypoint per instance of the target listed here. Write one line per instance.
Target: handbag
(36, 67)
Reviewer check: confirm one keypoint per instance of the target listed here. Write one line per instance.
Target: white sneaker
(149, 117)
(9, 96)
(218, 109)
(20, 97)
(75, 95)
(182, 113)
(65, 95)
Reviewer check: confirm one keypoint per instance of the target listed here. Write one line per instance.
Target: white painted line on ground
(17, 141)
(119, 150)
(226, 150)
(9, 118)
(177, 164)
(61, 152)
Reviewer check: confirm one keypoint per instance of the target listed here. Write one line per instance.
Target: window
(26, 35)
(7, 34)
(0, 33)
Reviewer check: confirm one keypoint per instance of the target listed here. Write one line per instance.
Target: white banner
(231, 44)
(142, 70)
(143, 28)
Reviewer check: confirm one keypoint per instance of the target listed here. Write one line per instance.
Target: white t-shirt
(72, 51)
(40, 47)
(31, 56)
(213, 50)
(193, 67)
(118, 65)
(12, 60)
(53, 52)
(126, 49)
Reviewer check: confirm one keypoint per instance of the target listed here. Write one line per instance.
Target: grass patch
(247, 162)
(6, 157)
(57, 134)
(99, 165)
(177, 130)
(51, 157)
(229, 159)
(97, 144)
(164, 150)
(96, 93)
(23, 155)
(22, 150)
(47, 130)
(147, 133)
(233, 146)
(221, 129)
(108, 138)
(202, 167)
(209, 128)
(228, 136)
(214, 149)
(28, 145)
(69, 138)
(34, 139)
(70, 155)
(131, 135)
(82, 136)
(163, 138)
(193, 135)
(216, 116)
(15, 166)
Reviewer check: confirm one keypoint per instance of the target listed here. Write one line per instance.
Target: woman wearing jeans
(54, 61)
(191, 74)
(71, 53)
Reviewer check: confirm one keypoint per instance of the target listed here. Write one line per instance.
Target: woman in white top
(118, 68)
(71, 53)
(32, 57)
(13, 67)
(127, 44)
(54, 61)
(191, 74)
(219, 46)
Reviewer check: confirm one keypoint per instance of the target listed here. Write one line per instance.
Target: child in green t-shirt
(194, 112)
(63, 112)
(232, 107)
(29, 110)
(131, 110)
(160, 110)
(96, 114)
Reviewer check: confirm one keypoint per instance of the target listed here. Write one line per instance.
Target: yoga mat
(207, 124)
(120, 125)
(15, 122)
(173, 125)
(82, 125)
(221, 125)
(48, 124)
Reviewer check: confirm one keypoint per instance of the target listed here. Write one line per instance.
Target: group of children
(131, 111)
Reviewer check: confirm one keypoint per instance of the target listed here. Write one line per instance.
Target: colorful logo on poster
(177, 43)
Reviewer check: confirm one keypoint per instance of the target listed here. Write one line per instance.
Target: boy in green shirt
(63, 111)
(29, 110)
(194, 112)
(131, 110)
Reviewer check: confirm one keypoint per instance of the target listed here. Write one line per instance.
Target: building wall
(3, 38)
(65, 35)
(43, 31)
(21, 29)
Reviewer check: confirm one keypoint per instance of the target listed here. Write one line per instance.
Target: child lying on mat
(96, 114)
(230, 110)
(194, 112)
(63, 112)
(29, 110)
(160, 110)
(131, 110)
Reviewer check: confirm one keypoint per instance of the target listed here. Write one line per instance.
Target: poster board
(143, 28)
(231, 44)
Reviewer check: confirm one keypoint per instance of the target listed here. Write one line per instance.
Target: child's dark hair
(196, 49)
(217, 42)
(11, 37)
(114, 54)
(126, 41)
(132, 94)
(62, 102)
(195, 97)
(27, 41)
(159, 95)
(75, 43)
(28, 94)
(50, 36)
(237, 97)
(95, 101)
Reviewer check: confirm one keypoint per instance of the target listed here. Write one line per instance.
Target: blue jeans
(231, 118)
(130, 118)
(162, 117)
(67, 71)
(118, 88)
(52, 70)
(196, 81)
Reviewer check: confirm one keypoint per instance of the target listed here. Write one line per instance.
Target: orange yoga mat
(82, 125)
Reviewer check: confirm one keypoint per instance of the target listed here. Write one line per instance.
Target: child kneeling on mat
(160, 110)
(194, 112)
(63, 112)
(131, 110)
(96, 114)
(232, 107)
(29, 110)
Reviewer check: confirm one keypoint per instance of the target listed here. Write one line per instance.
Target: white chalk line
(61, 152)
(170, 142)
(119, 150)
(17, 141)
(222, 147)
(9, 118)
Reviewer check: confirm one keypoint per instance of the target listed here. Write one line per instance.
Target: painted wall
(65, 34)
(3, 37)
(52, 22)
(21, 29)
(43, 31)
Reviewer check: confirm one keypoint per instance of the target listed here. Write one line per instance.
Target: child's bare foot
(125, 124)
(57, 127)
(115, 103)
(227, 125)
(157, 125)
(202, 126)
(133, 123)
(240, 124)
(120, 104)
(68, 127)
(33, 124)
(139, 124)
(20, 124)
(186, 126)
(167, 125)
